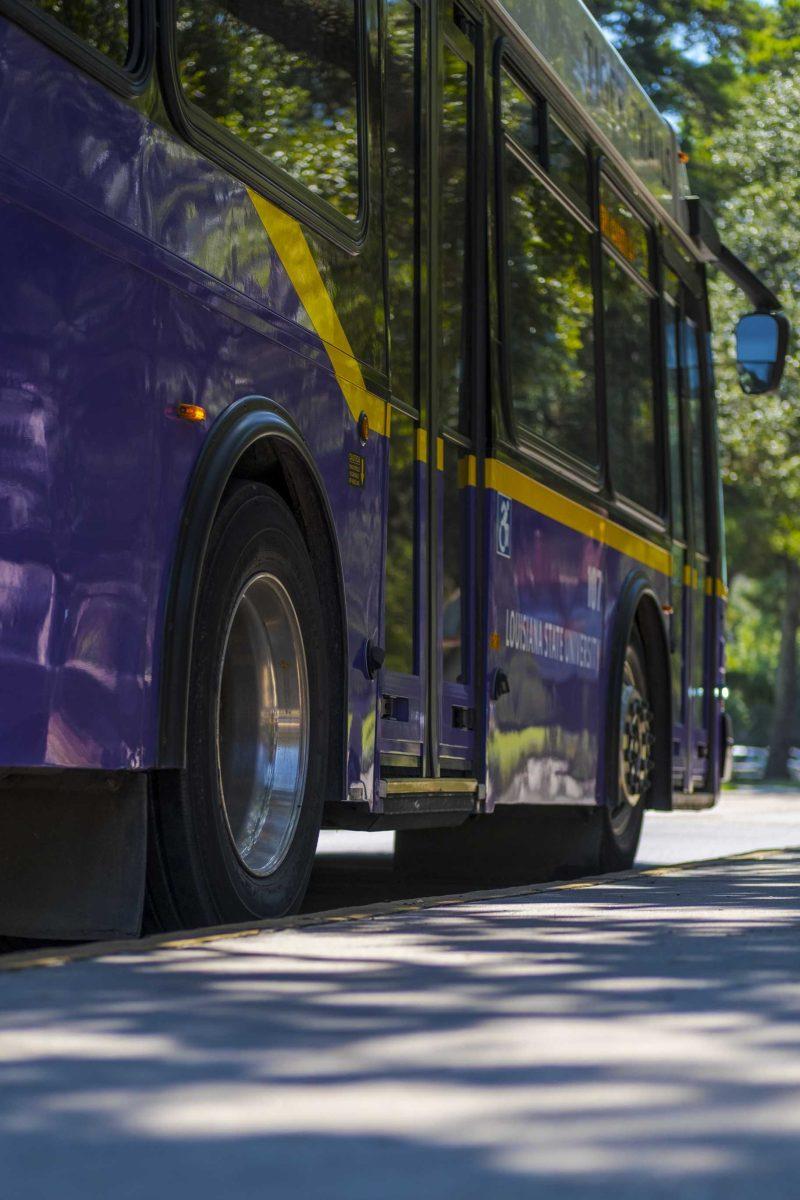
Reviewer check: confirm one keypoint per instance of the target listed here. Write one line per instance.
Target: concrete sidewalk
(629, 1037)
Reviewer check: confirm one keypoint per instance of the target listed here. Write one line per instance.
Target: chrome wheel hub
(262, 724)
(636, 741)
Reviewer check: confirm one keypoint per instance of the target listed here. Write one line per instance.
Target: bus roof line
(588, 122)
(697, 235)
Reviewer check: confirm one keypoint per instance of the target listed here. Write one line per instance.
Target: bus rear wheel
(633, 748)
(233, 835)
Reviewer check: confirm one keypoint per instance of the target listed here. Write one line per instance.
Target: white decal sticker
(503, 539)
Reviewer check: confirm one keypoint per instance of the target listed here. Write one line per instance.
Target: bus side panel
(137, 277)
(552, 599)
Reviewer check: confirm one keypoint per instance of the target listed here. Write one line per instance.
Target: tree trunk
(786, 676)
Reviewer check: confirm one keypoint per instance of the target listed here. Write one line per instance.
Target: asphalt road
(631, 1037)
(355, 868)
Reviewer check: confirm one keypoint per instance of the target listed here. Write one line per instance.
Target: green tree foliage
(760, 436)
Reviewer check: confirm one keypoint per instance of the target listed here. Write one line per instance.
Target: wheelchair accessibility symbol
(503, 529)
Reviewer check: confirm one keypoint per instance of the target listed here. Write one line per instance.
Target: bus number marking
(503, 534)
(595, 589)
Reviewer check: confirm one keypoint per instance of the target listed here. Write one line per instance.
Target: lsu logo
(503, 527)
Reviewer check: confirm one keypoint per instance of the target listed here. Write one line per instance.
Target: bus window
(402, 192)
(694, 395)
(282, 81)
(623, 230)
(104, 27)
(454, 523)
(674, 422)
(627, 309)
(566, 162)
(521, 117)
(549, 334)
(677, 512)
(399, 607)
(454, 142)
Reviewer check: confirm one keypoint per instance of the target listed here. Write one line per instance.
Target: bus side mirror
(761, 342)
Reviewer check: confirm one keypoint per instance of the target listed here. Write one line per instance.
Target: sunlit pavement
(636, 1037)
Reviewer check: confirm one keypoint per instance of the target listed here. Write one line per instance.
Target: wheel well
(252, 439)
(649, 622)
(276, 463)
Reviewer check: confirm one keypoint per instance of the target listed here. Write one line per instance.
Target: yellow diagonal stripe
(502, 478)
(290, 244)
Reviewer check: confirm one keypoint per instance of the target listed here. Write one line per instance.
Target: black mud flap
(72, 855)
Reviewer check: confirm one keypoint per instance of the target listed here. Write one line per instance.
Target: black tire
(196, 876)
(622, 820)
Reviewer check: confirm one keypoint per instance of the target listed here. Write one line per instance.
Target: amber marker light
(191, 412)
(363, 429)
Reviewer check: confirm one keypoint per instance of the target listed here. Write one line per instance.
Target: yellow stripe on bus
(502, 478)
(291, 246)
(467, 471)
(715, 587)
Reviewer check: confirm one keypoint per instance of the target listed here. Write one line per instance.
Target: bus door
(427, 715)
(452, 459)
(680, 596)
(698, 582)
(403, 702)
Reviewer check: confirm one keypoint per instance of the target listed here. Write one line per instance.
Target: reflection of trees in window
(282, 77)
(549, 323)
(401, 208)
(674, 419)
(692, 390)
(454, 523)
(399, 597)
(453, 217)
(567, 162)
(102, 24)
(629, 386)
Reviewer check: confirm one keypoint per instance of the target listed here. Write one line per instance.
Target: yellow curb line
(27, 959)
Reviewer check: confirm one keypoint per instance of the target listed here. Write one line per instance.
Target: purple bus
(357, 451)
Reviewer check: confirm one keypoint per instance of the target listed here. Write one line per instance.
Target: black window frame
(128, 79)
(254, 169)
(535, 449)
(648, 284)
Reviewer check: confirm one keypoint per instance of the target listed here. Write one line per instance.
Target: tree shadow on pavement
(636, 1036)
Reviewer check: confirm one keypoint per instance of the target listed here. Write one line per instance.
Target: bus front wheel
(233, 835)
(632, 747)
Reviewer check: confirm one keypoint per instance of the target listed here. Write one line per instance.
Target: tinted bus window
(674, 421)
(454, 142)
(629, 387)
(567, 163)
(402, 191)
(693, 391)
(102, 24)
(624, 230)
(549, 332)
(400, 572)
(627, 316)
(520, 116)
(283, 81)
